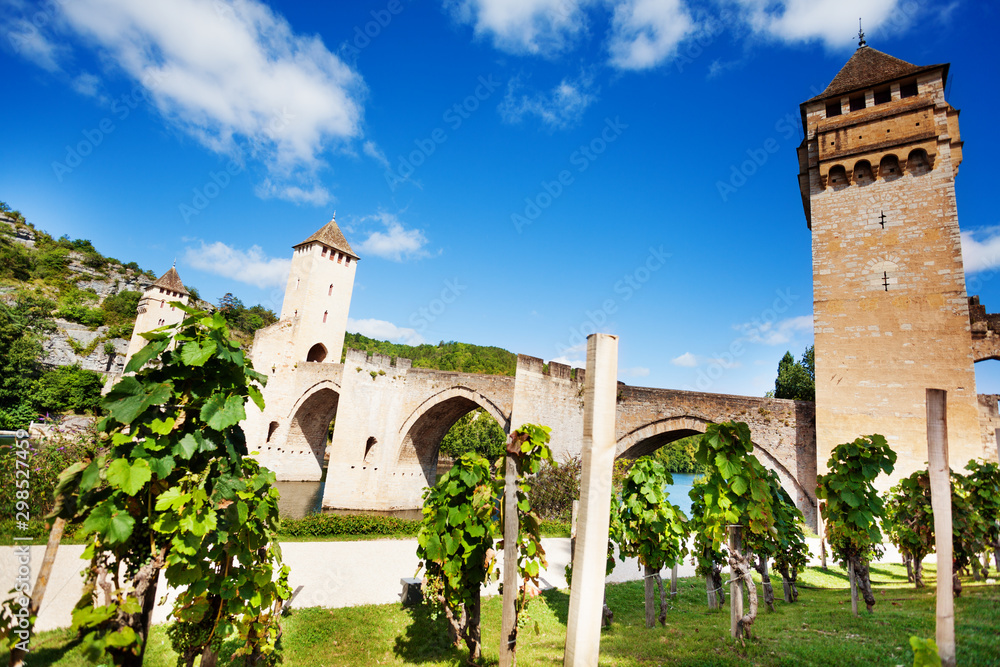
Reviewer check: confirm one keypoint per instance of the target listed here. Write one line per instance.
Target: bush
(89, 317)
(17, 416)
(555, 487)
(48, 457)
(69, 389)
(52, 263)
(16, 263)
(327, 525)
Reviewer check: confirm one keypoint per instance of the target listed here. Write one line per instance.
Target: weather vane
(861, 34)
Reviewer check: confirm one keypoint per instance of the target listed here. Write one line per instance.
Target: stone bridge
(390, 418)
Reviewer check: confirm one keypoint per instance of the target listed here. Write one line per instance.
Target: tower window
(838, 176)
(323, 254)
(272, 427)
(340, 258)
(347, 260)
(863, 173)
(889, 168)
(908, 89)
(161, 304)
(918, 163)
(329, 292)
(297, 280)
(325, 313)
(858, 102)
(833, 109)
(883, 96)
(317, 353)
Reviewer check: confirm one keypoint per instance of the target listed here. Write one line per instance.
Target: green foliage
(16, 261)
(796, 379)
(983, 487)
(786, 544)
(969, 527)
(707, 555)
(69, 389)
(458, 529)
(853, 508)
(909, 518)
(736, 485)
(679, 455)
(925, 652)
(555, 487)
(452, 356)
(645, 525)
(477, 432)
(241, 318)
(119, 312)
(326, 525)
(177, 492)
(51, 263)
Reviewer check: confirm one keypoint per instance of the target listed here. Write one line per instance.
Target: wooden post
(673, 581)
(854, 587)
(940, 477)
(508, 623)
(735, 585)
(821, 529)
(586, 598)
(649, 588)
(713, 600)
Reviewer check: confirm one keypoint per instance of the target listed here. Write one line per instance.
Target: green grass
(817, 630)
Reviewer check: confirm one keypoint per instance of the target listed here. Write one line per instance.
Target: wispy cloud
(645, 33)
(981, 249)
(373, 151)
(235, 76)
(25, 38)
(832, 22)
(382, 330)
(777, 332)
(394, 241)
(542, 27)
(686, 360)
(634, 372)
(249, 266)
(559, 108)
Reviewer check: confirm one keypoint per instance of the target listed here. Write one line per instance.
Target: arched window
(838, 176)
(888, 168)
(863, 173)
(918, 163)
(325, 313)
(317, 353)
(271, 429)
(370, 449)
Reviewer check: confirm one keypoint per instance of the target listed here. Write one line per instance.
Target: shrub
(328, 525)
(69, 389)
(555, 487)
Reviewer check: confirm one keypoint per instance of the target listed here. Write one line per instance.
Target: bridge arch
(308, 424)
(648, 438)
(422, 431)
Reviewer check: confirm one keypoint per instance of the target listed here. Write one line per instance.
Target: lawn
(817, 630)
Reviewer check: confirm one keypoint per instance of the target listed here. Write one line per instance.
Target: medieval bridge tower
(891, 313)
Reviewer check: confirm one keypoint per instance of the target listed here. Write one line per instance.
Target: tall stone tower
(154, 310)
(891, 317)
(317, 301)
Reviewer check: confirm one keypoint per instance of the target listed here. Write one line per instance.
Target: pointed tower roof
(869, 67)
(171, 281)
(331, 236)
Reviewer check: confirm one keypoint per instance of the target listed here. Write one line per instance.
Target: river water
(301, 498)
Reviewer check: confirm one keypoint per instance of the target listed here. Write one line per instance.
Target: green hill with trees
(451, 356)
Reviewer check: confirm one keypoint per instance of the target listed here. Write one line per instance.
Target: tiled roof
(330, 235)
(171, 281)
(869, 67)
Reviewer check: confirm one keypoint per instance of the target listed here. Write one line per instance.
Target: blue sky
(512, 172)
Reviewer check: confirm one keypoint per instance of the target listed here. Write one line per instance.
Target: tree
(648, 527)
(853, 507)
(786, 544)
(910, 522)
(796, 379)
(176, 492)
(476, 432)
(707, 555)
(455, 545)
(983, 485)
(736, 494)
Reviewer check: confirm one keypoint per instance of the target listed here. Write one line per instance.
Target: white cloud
(775, 333)
(560, 108)
(87, 84)
(315, 194)
(373, 151)
(833, 22)
(982, 253)
(246, 266)
(396, 242)
(26, 39)
(645, 33)
(230, 72)
(543, 27)
(635, 372)
(687, 360)
(572, 363)
(382, 330)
